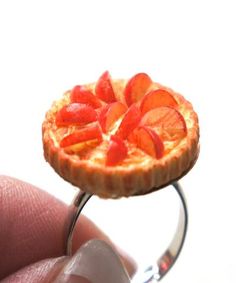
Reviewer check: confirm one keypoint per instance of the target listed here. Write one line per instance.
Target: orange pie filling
(118, 138)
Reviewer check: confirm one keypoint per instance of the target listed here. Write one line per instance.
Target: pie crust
(139, 173)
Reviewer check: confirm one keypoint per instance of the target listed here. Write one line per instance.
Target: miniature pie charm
(117, 137)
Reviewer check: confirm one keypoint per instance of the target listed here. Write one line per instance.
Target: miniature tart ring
(116, 137)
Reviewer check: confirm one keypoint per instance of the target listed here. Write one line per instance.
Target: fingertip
(95, 261)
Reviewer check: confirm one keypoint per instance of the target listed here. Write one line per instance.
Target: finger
(34, 226)
(95, 261)
(43, 271)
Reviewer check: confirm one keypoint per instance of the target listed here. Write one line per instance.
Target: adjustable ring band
(157, 270)
(78, 204)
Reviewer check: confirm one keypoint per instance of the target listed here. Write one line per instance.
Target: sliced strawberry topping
(76, 114)
(148, 140)
(110, 114)
(168, 122)
(104, 89)
(130, 121)
(148, 124)
(117, 151)
(80, 94)
(136, 88)
(157, 98)
(92, 132)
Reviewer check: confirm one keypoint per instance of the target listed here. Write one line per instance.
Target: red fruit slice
(88, 133)
(130, 121)
(148, 140)
(75, 114)
(157, 98)
(80, 94)
(104, 89)
(136, 88)
(110, 114)
(167, 121)
(117, 151)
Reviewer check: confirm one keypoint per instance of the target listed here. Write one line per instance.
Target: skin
(33, 232)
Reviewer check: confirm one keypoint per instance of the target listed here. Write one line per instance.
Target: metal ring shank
(156, 271)
(79, 202)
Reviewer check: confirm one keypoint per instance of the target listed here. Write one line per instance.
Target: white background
(46, 47)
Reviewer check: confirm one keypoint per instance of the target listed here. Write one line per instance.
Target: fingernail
(94, 262)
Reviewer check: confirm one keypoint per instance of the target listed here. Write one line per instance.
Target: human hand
(33, 232)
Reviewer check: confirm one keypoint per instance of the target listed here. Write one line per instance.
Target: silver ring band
(157, 270)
